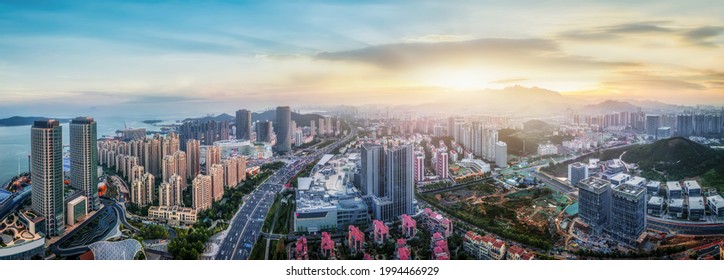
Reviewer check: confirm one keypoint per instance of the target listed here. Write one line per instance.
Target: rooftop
(676, 202)
(656, 200)
(696, 203)
(629, 190)
(692, 185)
(717, 200)
(636, 181)
(673, 186)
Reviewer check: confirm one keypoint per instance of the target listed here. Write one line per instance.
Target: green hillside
(678, 158)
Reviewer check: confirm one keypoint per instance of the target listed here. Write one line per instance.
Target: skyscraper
(283, 129)
(243, 124)
(193, 158)
(594, 202)
(419, 166)
(164, 194)
(501, 154)
(47, 174)
(180, 157)
(398, 180)
(264, 131)
(628, 213)
(653, 122)
(170, 167)
(176, 194)
(84, 159)
(372, 169)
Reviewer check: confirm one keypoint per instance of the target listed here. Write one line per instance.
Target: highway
(245, 227)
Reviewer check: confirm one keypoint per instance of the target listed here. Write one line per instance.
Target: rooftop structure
(637, 181)
(716, 205)
(673, 189)
(437, 222)
(696, 208)
(119, 250)
(676, 207)
(692, 188)
(483, 247)
(653, 187)
(518, 253)
(655, 206)
(409, 226)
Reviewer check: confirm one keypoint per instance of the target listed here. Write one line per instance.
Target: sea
(15, 140)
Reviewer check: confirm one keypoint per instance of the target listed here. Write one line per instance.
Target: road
(245, 227)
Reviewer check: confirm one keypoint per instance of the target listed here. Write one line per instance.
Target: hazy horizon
(213, 57)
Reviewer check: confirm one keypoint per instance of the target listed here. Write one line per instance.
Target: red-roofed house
(327, 245)
(403, 253)
(409, 226)
(483, 247)
(435, 222)
(381, 232)
(301, 249)
(518, 253)
(355, 239)
(441, 251)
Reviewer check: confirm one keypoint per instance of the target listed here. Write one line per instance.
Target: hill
(21, 121)
(536, 125)
(609, 106)
(668, 159)
(678, 158)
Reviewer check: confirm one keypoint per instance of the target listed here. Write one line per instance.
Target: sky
(58, 56)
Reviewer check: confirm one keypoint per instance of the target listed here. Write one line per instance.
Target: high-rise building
(653, 122)
(372, 170)
(628, 213)
(170, 167)
(283, 129)
(243, 124)
(264, 131)
(419, 166)
(149, 188)
(213, 156)
(84, 159)
(501, 154)
(217, 181)
(193, 158)
(137, 173)
(441, 164)
(663, 132)
(577, 171)
(164, 194)
(180, 157)
(176, 183)
(138, 196)
(399, 181)
(201, 192)
(684, 125)
(241, 169)
(47, 174)
(594, 199)
(230, 172)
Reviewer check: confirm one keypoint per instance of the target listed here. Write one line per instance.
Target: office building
(653, 122)
(628, 213)
(84, 159)
(655, 206)
(399, 181)
(594, 202)
(692, 188)
(372, 170)
(243, 124)
(47, 174)
(173, 215)
(673, 190)
(283, 129)
(696, 208)
(663, 132)
(501, 154)
(264, 131)
(577, 171)
(716, 205)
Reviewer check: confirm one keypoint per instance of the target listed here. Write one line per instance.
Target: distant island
(22, 121)
(152, 121)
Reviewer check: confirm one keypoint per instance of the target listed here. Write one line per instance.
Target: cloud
(638, 27)
(508, 81)
(480, 52)
(703, 35)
